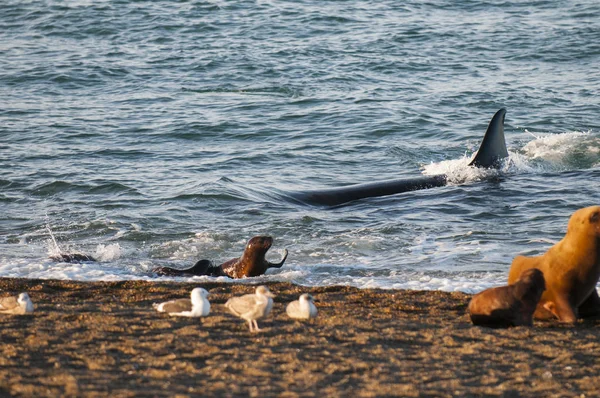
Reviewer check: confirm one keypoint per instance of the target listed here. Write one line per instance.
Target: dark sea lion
(202, 267)
(511, 305)
(72, 257)
(571, 269)
(251, 263)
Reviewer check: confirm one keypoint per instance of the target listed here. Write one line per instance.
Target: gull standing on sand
(197, 306)
(252, 306)
(303, 308)
(16, 305)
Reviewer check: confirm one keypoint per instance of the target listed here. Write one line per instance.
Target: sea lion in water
(511, 305)
(72, 257)
(251, 263)
(571, 269)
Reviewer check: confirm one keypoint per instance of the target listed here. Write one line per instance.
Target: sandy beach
(105, 339)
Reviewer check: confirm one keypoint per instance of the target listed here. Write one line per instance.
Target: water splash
(459, 172)
(546, 153)
(53, 248)
(564, 151)
(106, 253)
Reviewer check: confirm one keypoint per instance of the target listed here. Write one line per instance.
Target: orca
(490, 155)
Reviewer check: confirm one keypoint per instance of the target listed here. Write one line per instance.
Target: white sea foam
(294, 273)
(203, 245)
(558, 148)
(557, 151)
(458, 171)
(106, 253)
(364, 257)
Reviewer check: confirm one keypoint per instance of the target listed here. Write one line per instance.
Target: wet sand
(105, 339)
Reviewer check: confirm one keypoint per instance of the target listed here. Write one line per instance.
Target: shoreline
(104, 338)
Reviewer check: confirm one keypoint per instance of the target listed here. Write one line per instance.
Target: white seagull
(303, 308)
(197, 306)
(16, 305)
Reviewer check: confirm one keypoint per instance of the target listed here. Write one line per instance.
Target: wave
(116, 268)
(61, 187)
(278, 91)
(565, 151)
(546, 153)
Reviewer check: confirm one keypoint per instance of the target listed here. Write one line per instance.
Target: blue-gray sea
(159, 132)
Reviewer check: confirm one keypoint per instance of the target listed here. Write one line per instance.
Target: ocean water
(151, 133)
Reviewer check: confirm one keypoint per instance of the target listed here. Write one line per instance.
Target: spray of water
(56, 249)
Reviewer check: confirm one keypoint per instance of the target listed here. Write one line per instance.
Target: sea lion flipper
(563, 310)
(200, 268)
(591, 306)
(280, 264)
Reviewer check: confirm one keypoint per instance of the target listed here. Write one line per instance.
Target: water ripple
(160, 125)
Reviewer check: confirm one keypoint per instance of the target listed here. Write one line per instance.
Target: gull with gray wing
(252, 307)
(197, 306)
(16, 305)
(303, 308)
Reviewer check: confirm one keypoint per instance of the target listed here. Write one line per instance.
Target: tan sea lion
(511, 305)
(571, 269)
(251, 263)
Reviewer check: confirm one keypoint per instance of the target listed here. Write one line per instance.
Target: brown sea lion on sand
(251, 263)
(571, 269)
(511, 305)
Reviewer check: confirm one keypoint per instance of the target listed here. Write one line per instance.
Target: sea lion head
(585, 221)
(530, 285)
(259, 245)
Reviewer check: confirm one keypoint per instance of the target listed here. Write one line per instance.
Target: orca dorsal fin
(493, 147)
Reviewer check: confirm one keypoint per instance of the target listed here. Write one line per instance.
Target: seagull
(252, 306)
(197, 306)
(16, 305)
(303, 308)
